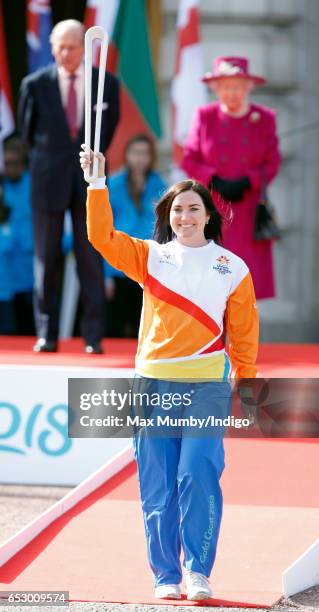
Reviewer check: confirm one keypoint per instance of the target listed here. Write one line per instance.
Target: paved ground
(20, 505)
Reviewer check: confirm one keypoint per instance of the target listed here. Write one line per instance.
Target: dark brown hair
(142, 137)
(163, 231)
(134, 191)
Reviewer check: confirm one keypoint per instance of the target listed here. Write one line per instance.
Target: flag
(101, 13)
(6, 113)
(39, 26)
(188, 92)
(129, 57)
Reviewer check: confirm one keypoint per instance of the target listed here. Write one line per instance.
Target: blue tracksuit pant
(179, 488)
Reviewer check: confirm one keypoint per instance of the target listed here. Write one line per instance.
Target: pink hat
(230, 67)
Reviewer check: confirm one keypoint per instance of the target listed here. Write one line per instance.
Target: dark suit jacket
(54, 156)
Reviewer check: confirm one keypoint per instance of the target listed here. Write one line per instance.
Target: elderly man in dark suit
(51, 116)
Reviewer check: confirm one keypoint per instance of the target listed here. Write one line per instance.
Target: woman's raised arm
(122, 251)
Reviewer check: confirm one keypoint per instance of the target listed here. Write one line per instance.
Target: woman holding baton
(193, 292)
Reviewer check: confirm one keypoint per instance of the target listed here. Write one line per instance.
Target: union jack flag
(39, 26)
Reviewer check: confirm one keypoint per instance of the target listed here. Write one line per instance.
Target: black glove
(248, 405)
(230, 190)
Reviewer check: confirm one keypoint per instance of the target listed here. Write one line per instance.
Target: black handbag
(266, 227)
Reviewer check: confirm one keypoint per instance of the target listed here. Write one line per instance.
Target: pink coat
(233, 148)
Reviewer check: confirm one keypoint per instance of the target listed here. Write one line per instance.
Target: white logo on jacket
(167, 258)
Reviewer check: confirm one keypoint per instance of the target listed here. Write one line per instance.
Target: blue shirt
(17, 196)
(127, 217)
(6, 252)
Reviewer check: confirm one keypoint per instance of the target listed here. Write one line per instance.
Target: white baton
(94, 33)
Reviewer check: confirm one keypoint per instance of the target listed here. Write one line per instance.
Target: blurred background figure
(7, 316)
(133, 192)
(51, 116)
(17, 197)
(232, 147)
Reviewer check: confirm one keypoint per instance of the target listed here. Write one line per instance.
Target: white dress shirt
(64, 84)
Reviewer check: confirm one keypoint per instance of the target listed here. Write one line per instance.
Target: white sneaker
(197, 586)
(168, 591)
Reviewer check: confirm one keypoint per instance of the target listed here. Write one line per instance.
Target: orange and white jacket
(190, 294)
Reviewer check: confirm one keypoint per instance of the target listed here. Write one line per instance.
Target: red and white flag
(6, 113)
(99, 12)
(188, 92)
(102, 13)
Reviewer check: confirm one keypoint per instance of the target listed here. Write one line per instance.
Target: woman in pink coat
(232, 147)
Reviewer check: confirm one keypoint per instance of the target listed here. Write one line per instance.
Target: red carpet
(274, 360)
(18, 350)
(97, 550)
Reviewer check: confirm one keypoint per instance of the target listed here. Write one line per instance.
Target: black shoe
(45, 346)
(94, 349)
